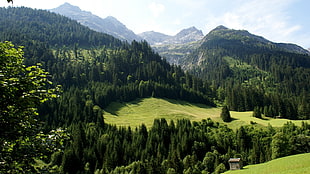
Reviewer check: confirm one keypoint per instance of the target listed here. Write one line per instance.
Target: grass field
(146, 110)
(296, 164)
(245, 118)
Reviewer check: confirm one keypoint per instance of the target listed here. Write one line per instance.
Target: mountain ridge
(108, 25)
(226, 33)
(186, 35)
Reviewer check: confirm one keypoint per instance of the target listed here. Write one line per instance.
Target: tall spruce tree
(257, 113)
(225, 115)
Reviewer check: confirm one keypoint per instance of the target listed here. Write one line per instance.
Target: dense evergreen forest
(95, 69)
(248, 71)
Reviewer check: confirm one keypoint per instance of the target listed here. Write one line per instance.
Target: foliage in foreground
(22, 89)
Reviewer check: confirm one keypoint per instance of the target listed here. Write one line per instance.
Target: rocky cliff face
(109, 25)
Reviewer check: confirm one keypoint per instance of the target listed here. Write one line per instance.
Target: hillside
(287, 165)
(26, 26)
(174, 48)
(183, 37)
(93, 68)
(154, 38)
(250, 71)
(176, 53)
(108, 25)
(144, 111)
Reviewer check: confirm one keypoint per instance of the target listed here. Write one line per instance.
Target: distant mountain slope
(174, 48)
(184, 36)
(109, 25)
(153, 37)
(247, 38)
(23, 24)
(251, 71)
(241, 45)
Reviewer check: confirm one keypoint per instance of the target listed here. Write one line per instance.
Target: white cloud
(262, 17)
(156, 8)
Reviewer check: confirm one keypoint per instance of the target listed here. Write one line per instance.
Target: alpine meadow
(77, 96)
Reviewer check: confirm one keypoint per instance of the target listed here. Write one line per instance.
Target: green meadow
(295, 164)
(146, 110)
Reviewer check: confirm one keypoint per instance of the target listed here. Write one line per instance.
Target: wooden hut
(235, 163)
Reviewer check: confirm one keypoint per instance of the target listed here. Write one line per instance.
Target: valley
(77, 99)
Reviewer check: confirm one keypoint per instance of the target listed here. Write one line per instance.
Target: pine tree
(225, 115)
(257, 113)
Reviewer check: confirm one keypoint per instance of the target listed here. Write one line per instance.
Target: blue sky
(276, 20)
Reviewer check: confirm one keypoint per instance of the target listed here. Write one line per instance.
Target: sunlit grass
(288, 165)
(246, 118)
(146, 110)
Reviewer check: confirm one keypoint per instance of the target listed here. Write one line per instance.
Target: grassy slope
(245, 118)
(146, 110)
(287, 165)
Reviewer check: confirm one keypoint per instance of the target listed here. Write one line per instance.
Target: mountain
(251, 71)
(240, 44)
(154, 38)
(25, 25)
(184, 36)
(174, 48)
(95, 69)
(109, 25)
(80, 59)
(246, 37)
(175, 53)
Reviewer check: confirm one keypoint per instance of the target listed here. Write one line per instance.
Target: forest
(55, 89)
(247, 71)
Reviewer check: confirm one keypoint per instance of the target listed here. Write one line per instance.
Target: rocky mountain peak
(68, 6)
(108, 25)
(190, 31)
(66, 9)
(186, 35)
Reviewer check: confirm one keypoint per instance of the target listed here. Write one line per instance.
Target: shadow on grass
(233, 119)
(115, 107)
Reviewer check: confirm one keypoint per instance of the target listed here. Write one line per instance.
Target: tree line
(180, 146)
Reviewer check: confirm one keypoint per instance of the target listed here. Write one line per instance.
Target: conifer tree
(225, 115)
(257, 113)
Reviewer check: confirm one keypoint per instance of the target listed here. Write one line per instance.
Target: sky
(284, 21)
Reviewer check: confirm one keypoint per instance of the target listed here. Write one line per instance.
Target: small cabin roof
(234, 160)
